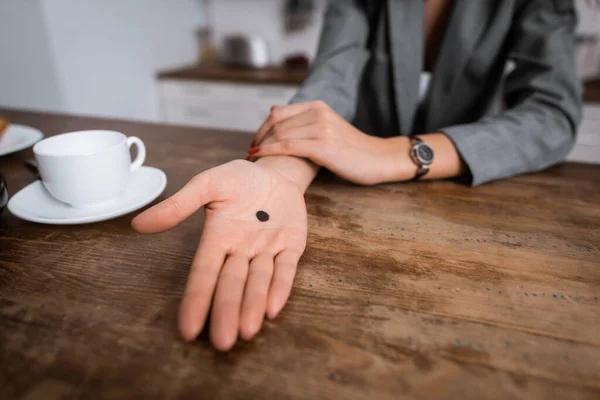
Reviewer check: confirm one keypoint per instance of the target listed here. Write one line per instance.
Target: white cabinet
(221, 105)
(587, 144)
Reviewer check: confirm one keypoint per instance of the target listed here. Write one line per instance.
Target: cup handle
(141, 152)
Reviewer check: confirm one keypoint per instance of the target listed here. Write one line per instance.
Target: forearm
(313, 131)
(397, 164)
(542, 95)
(301, 171)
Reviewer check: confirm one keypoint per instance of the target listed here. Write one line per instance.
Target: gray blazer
(541, 96)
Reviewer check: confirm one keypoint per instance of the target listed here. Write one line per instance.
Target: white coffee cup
(87, 168)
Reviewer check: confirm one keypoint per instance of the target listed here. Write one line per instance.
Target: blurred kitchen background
(207, 63)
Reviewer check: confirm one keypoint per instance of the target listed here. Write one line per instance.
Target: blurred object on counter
(298, 14)
(3, 193)
(297, 62)
(3, 126)
(206, 45)
(244, 51)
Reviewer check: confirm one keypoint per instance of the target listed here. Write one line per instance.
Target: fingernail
(247, 158)
(254, 150)
(253, 144)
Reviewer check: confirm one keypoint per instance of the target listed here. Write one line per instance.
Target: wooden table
(420, 290)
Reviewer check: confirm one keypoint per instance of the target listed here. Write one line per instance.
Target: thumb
(170, 212)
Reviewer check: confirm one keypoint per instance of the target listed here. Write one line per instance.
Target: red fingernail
(253, 144)
(247, 158)
(254, 150)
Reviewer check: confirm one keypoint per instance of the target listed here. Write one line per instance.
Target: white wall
(28, 73)
(589, 16)
(101, 57)
(264, 18)
(105, 53)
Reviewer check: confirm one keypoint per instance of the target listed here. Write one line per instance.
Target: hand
(247, 264)
(314, 131)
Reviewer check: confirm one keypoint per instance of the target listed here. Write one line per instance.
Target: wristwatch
(422, 155)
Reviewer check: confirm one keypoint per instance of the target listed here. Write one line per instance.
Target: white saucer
(18, 137)
(34, 203)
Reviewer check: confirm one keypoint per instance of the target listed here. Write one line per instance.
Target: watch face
(424, 153)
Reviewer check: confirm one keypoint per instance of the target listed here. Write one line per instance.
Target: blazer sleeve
(341, 57)
(542, 95)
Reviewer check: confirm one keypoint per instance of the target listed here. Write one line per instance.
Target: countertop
(591, 93)
(281, 75)
(217, 72)
(410, 290)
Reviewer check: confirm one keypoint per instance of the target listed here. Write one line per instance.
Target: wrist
(395, 162)
(298, 170)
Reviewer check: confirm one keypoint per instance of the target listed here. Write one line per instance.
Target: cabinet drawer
(269, 94)
(216, 115)
(214, 91)
(587, 143)
(222, 105)
(591, 112)
(180, 89)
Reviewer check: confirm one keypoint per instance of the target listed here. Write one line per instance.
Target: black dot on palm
(262, 216)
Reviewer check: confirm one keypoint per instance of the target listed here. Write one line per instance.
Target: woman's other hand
(314, 131)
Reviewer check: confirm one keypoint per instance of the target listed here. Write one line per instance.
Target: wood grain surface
(218, 72)
(419, 290)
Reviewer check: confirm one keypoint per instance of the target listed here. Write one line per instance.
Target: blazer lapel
(465, 26)
(406, 48)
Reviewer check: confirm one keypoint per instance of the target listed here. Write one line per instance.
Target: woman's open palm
(244, 267)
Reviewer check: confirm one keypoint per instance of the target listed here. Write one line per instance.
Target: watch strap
(415, 140)
(422, 170)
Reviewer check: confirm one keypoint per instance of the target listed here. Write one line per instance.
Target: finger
(170, 212)
(309, 131)
(281, 113)
(284, 271)
(200, 287)
(254, 304)
(277, 114)
(225, 318)
(307, 148)
(307, 118)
